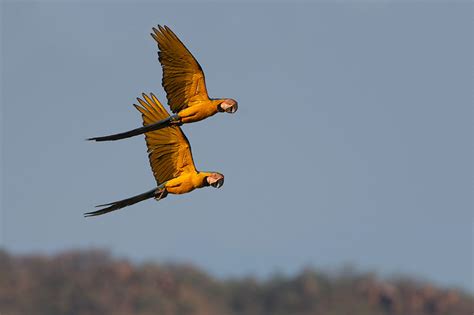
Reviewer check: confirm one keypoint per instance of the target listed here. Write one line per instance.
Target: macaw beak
(233, 108)
(228, 105)
(218, 184)
(216, 181)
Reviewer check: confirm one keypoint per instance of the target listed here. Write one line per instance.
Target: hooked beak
(216, 181)
(229, 106)
(232, 109)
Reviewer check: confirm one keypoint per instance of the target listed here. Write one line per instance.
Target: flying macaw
(170, 158)
(183, 81)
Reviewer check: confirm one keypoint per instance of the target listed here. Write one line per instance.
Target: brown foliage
(92, 282)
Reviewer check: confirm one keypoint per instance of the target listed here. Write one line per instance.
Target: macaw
(170, 158)
(185, 86)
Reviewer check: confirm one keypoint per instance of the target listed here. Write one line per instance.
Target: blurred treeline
(94, 283)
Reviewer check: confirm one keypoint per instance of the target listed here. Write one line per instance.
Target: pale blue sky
(352, 143)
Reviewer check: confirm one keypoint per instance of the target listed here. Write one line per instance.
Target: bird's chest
(188, 185)
(197, 112)
(183, 184)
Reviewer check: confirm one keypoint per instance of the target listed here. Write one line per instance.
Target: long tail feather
(138, 131)
(122, 203)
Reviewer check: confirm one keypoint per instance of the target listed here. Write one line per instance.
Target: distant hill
(94, 283)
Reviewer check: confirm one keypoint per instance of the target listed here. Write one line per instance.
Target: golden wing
(183, 78)
(169, 150)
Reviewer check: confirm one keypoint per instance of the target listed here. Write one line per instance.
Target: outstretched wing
(183, 78)
(169, 150)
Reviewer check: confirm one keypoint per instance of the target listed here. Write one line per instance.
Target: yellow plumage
(169, 150)
(185, 86)
(170, 158)
(183, 78)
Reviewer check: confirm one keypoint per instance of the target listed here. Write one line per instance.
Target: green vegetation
(93, 283)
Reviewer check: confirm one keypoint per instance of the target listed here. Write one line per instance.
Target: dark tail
(122, 203)
(155, 126)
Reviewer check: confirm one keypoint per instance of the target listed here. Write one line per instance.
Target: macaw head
(215, 180)
(228, 105)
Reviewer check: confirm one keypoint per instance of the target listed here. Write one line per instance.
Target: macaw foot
(175, 120)
(160, 194)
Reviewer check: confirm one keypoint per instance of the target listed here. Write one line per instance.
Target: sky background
(352, 143)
